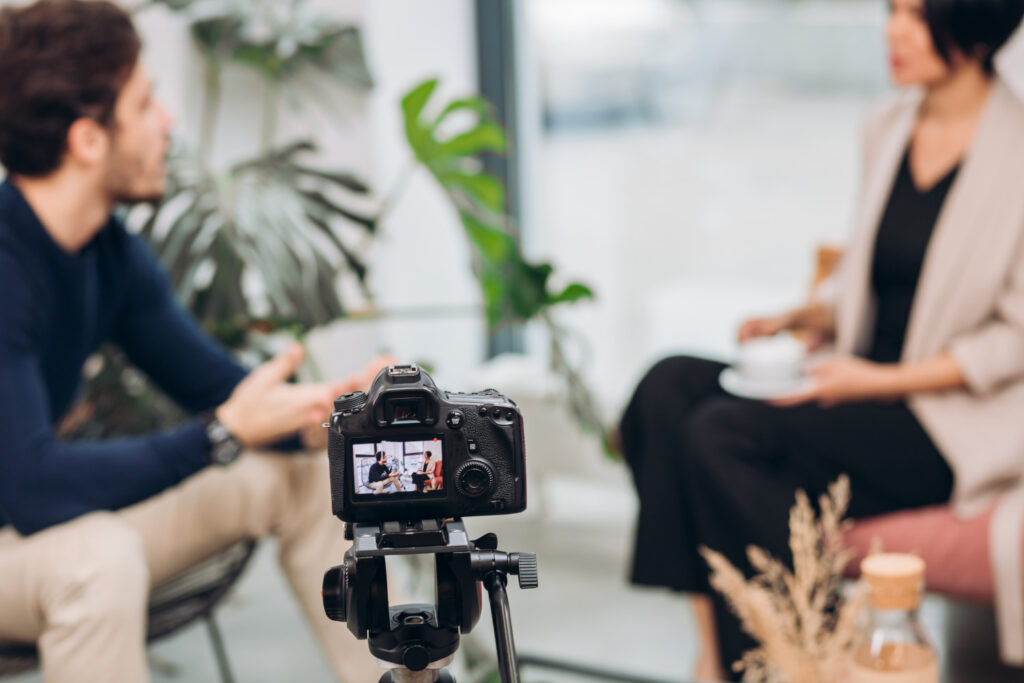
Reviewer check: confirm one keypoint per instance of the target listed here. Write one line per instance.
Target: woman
(921, 402)
(426, 479)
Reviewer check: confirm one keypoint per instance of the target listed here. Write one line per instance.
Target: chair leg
(218, 649)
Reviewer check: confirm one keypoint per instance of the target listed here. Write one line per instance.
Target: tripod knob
(526, 569)
(334, 588)
(416, 658)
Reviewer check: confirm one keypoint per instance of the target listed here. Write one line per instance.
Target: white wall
(422, 259)
(709, 210)
(1011, 62)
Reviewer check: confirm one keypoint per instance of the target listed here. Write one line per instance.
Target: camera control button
(472, 446)
(350, 403)
(475, 478)
(455, 419)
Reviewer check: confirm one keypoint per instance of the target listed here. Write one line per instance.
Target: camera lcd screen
(410, 467)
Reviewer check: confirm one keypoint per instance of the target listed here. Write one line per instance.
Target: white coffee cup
(772, 359)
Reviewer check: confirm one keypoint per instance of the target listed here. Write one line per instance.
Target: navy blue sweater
(56, 308)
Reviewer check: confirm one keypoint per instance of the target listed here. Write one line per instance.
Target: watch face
(224, 447)
(217, 432)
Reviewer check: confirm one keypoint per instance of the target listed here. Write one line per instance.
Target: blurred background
(680, 159)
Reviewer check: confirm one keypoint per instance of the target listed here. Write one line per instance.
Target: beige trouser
(378, 486)
(80, 589)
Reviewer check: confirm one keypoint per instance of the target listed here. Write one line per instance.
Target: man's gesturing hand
(316, 436)
(265, 408)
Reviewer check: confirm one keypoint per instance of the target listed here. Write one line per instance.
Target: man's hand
(840, 380)
(315, 437)
(265, 408)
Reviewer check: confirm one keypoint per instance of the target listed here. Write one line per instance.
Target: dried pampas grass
(804, 626)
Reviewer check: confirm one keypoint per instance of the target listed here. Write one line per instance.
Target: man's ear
(88, 142)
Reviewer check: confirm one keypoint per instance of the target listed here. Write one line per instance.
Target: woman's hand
(848, 378)
(814, 321)
(845, 379)
(763, 327)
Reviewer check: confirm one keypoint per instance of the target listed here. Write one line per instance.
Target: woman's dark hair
(427, 454)
(977, 28)
(60, 60)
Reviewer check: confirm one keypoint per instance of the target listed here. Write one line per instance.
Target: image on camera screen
(388, 467)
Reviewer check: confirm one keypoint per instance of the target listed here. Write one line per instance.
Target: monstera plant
(265, 241)
(269, 242)
(514, 289)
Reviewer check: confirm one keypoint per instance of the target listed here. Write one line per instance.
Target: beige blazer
(969, 302)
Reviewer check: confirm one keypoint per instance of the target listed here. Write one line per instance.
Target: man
(87, 529)
(381, 476)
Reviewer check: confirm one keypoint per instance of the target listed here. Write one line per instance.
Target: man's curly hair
(60, 60)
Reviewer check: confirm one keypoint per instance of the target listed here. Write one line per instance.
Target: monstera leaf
(277, 39)
(449, 144)
(265, 243)
(514, 289)
(268, 241)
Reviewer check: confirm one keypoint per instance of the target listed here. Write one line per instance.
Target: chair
(189, 597)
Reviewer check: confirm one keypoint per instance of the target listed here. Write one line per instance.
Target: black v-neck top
(900, 245)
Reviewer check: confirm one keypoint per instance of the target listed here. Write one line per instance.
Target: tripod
(420, 639)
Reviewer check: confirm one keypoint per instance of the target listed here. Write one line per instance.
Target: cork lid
(895, 580)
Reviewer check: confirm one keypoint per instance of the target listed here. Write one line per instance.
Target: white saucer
(738, 385)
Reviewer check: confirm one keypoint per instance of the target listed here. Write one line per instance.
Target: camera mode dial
(475, 478)
(350, 403)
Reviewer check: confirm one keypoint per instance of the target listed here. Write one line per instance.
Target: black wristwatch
(224, 446)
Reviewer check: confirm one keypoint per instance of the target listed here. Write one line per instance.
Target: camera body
(409, 451)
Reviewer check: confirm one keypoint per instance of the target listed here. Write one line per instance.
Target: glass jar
(891, 646)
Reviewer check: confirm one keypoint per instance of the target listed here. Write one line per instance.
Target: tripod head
(422, 637)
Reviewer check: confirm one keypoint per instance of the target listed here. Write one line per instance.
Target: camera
(407, 462)
(409, 451)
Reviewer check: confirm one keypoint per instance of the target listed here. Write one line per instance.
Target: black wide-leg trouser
(716, 470)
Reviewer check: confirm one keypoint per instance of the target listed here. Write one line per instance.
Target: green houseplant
(295, 229)
(274, 219)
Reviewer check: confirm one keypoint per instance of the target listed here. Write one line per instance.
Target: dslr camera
(409, 451)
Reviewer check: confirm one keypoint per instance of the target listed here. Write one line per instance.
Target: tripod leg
(501, 617)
